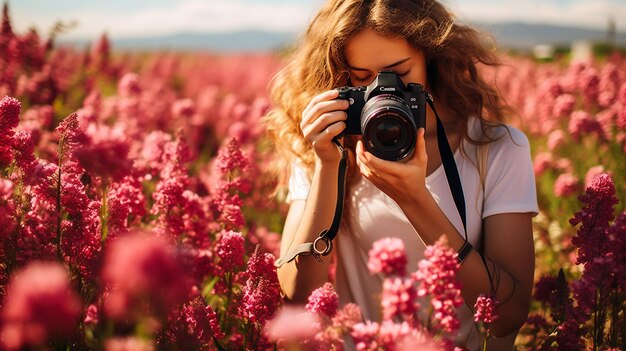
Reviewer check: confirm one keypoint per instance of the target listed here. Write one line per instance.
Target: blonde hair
(453, 52)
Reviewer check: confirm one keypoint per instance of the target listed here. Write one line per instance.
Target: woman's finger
(325, 120)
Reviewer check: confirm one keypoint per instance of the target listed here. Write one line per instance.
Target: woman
(348, 43)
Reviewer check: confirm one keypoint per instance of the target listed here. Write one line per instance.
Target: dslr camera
(387, 114)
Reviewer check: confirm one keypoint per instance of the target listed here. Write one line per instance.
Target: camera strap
(322, 246)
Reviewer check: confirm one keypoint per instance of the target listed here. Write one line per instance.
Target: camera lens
(389, 131)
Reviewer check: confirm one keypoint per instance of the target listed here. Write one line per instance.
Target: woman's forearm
(304, 274)
(430, 222)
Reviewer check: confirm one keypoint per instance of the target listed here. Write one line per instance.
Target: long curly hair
(453, 51)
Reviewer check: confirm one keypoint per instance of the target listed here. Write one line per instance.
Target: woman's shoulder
(500, 136)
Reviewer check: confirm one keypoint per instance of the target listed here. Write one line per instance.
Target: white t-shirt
(510, 187)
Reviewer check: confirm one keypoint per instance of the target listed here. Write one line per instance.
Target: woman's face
(368, 52)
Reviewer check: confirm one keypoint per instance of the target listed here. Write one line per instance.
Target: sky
(140, 18)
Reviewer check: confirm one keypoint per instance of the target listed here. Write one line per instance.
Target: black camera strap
(322, 246)
(327, 235)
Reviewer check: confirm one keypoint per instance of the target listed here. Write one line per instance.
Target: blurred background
(539, 26)
(162, 101)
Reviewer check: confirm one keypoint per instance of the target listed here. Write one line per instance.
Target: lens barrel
(388, 129)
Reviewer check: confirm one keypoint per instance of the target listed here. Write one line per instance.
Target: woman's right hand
(322, 120)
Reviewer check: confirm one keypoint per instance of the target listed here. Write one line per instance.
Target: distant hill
(508, 35)
(525, 36)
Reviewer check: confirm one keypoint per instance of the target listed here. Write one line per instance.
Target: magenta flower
(261, 294)
(564, 105)
(592, 173)
(127, 204)
(595, 216)
(292, 325)
(485, 309)
(105, 153)
(565, 185)
(9, 119)
(556, 139)
(582, 123)
(183, 108)
(39, 304)
(230, 250)
(543, 161)
(544, 288)
(129, 85)
(230, 158)
(436, 277)
(129, 343)
(365, 336)
(143, 275)
(387, 256)
(399, 298)
(91, 315)
(347, 316)
(324, 301)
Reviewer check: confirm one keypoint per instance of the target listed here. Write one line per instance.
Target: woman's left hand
(403, 182)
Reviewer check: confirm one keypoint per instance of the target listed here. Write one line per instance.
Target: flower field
(137, 210)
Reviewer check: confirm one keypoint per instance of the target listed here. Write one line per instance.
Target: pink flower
(9, 119)
(230, 251)
(595, 216)
(544, 288)
(127, 204)
(556, 139)
(129, 343)
(592, 173)
(582, 123)
(292, 325)
(347, 316)
(618, 247)
(564, 105)
(39, 304)
(261, 295)
(485, 309)
(390, 334)
(23, 150)
(387, 256)
(436, 277)
(365, 336)
(621, 116)
(183, 108)
(565, 185)
(399, 298)
(543, 162)
(142, 267)
(105, 153)
(129, 85)
(324, 301)
(201, 321)
(230, 158)
(91, 315)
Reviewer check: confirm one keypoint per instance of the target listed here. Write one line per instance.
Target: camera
(387, 114)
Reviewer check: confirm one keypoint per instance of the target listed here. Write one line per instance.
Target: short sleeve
(299, 184)
(510, 180)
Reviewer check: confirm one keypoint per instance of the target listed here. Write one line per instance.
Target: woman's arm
(305, 220)
(322, 121)
(509, 250)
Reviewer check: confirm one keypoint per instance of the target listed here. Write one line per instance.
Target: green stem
(59, 209)
(104, 211)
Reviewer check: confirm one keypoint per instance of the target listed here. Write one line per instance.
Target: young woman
(348, 43)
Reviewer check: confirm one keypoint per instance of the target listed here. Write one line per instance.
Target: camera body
(387, 114)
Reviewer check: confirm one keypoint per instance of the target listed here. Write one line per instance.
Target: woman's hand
(322, 120)
(403, 182)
